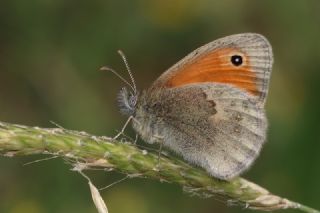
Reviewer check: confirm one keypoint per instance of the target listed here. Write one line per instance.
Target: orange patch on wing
(217, 67)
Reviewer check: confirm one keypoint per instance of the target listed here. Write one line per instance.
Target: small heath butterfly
(209, 107)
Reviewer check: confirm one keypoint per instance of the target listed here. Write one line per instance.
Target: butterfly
(208, 107)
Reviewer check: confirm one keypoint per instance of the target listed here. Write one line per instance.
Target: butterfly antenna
(119, 76)
(129, 71)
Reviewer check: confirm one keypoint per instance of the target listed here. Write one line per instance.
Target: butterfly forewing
(213, 63)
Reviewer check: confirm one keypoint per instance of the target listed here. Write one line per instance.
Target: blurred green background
(50, 53)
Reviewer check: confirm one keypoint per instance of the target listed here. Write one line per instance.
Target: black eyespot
(236, 60)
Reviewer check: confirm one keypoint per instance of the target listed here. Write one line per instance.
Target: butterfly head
(127, 101)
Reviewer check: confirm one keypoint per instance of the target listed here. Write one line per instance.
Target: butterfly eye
(236, 60)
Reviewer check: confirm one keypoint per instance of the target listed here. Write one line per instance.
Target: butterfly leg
(123, 128)
(161, 141)
(136, 139)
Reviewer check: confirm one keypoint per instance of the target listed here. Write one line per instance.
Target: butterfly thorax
(149, 116)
